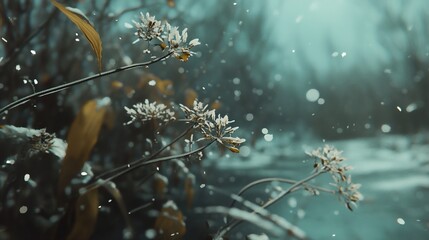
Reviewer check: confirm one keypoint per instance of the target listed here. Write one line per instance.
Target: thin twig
(76, 82)
(291, 188)
(235, 223)
(140, 208)
(275, 219)
(276, 179)
(140, 163)
(149, 158)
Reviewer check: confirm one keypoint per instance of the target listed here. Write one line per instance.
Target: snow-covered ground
(393, 171)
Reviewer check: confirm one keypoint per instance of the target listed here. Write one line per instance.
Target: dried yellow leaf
(82, 137)
(190, 96)
(159, 186)
(234, 149)
(171, 3)
(163, 45)
(169, 224)
(216, 105)
(109, 118)
(116, 85)
(85, 213)
(165, 87)
(184, 56)
(82, 22)
(189, 191)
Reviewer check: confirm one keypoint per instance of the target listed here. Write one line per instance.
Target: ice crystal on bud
(168, 37)
(211, 126)
(149, 111)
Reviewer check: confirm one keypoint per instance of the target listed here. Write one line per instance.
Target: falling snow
(293, 75)
(400, 221)
(312, 95)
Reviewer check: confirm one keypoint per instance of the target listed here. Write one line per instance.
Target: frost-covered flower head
(198, 114)
(149, 111)
(149, 28)
(168, 37)
(36, 140)
(42, 142)
(329, 160)
(177, 42)
(211, 126)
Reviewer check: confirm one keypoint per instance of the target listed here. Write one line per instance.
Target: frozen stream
(393, 171)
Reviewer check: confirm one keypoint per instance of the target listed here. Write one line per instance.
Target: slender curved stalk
(76, 82)
(276, 179)
(265, 214)
(235, 223)
(140, 163)
(291, 188)
(149, 158)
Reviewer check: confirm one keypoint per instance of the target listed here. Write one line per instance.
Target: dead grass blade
(82, 22)
(82, 137)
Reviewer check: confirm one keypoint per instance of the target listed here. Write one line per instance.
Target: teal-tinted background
(368, 60)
